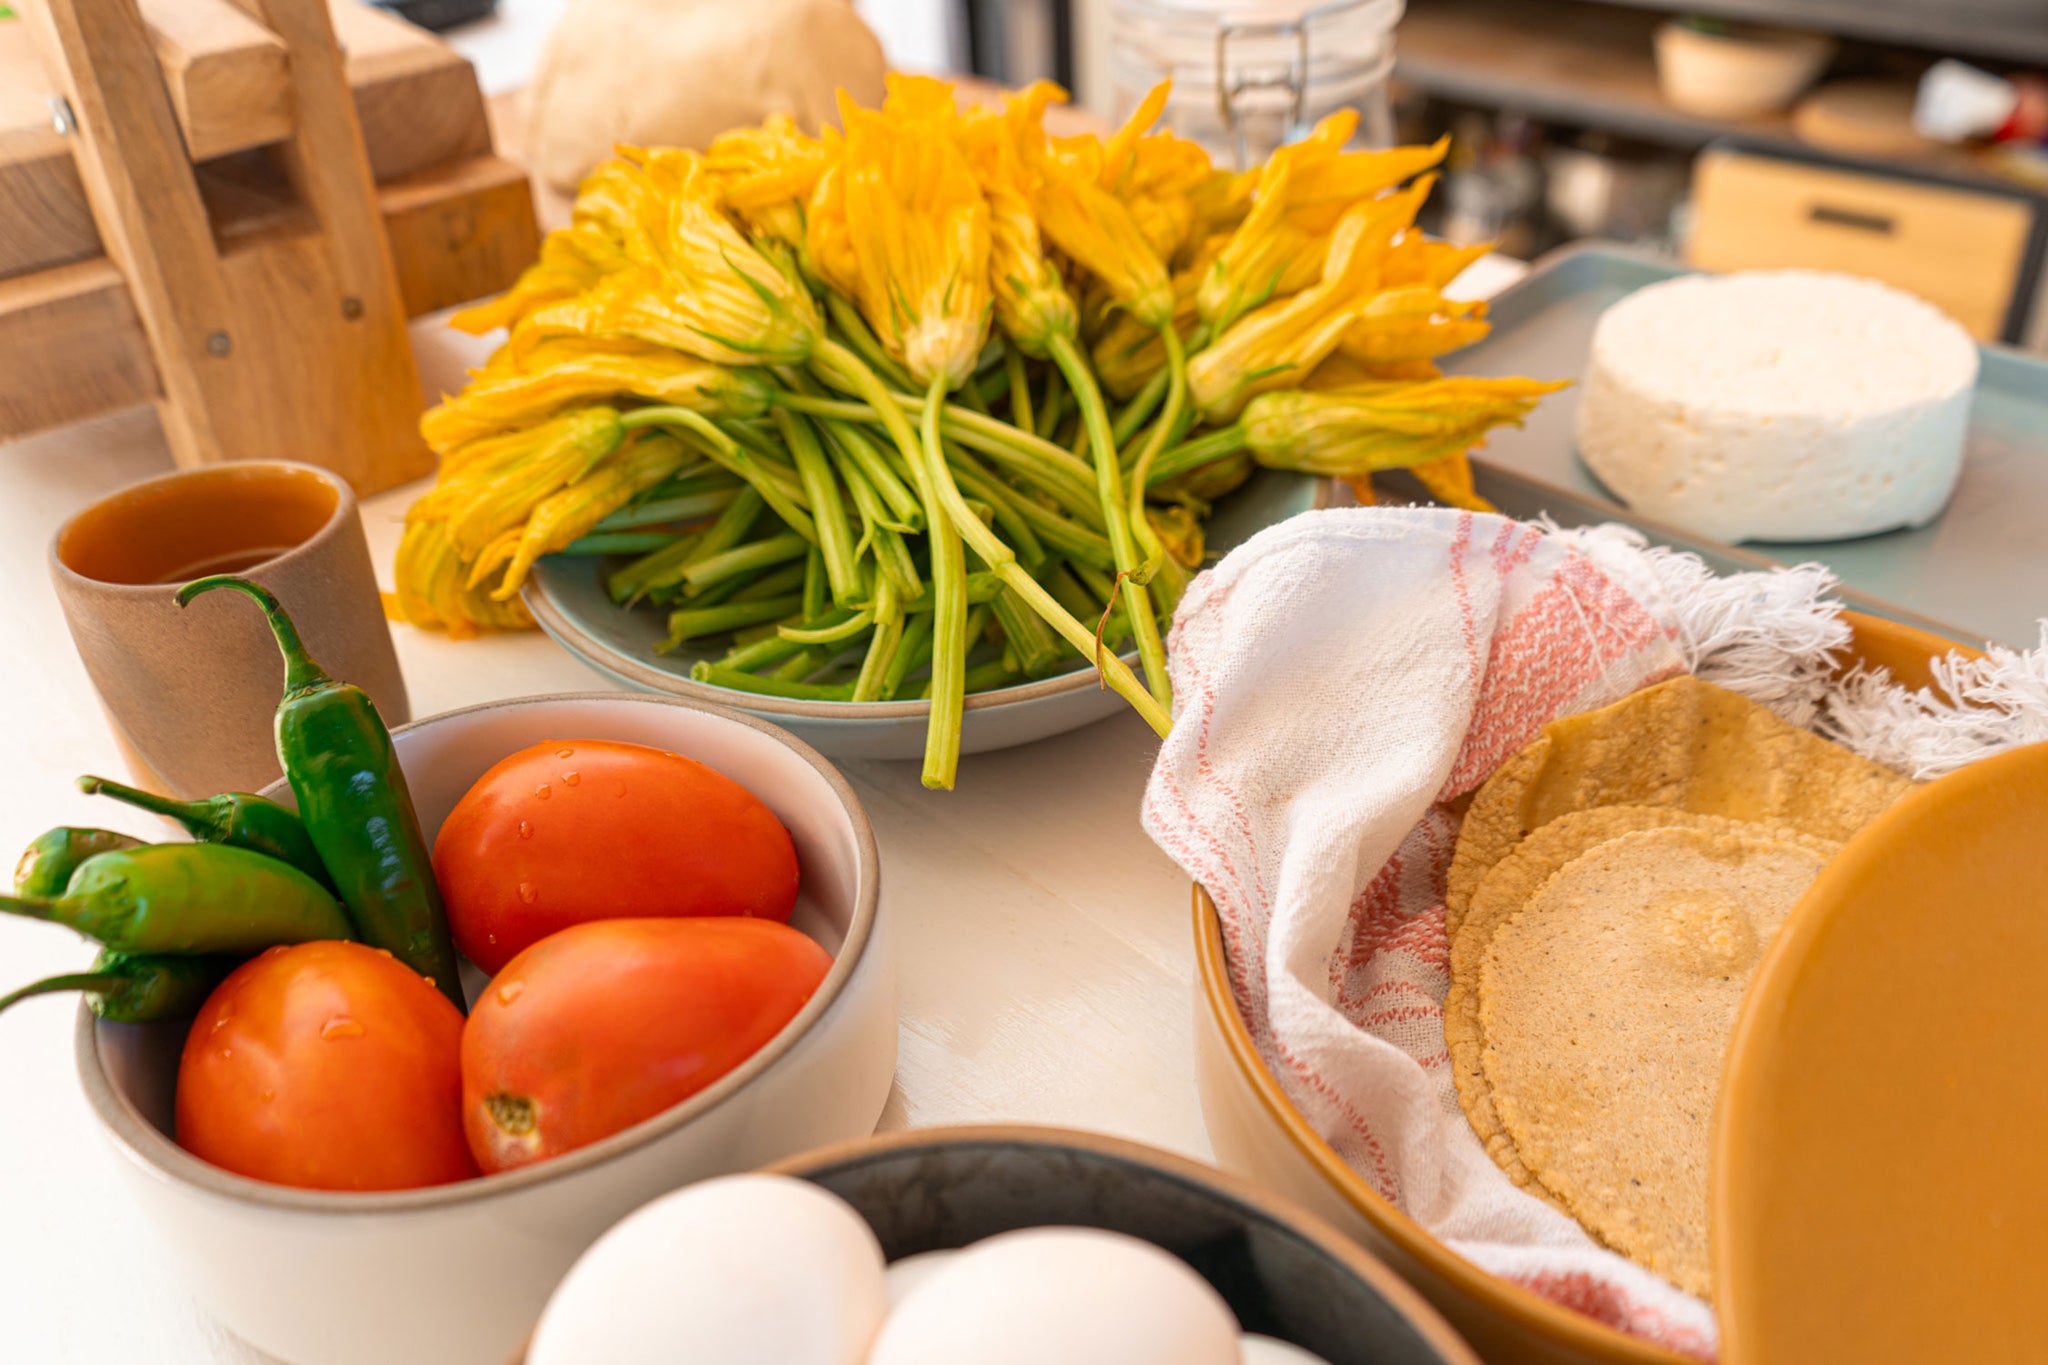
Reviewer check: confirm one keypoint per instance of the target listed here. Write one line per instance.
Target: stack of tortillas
(1614, 887)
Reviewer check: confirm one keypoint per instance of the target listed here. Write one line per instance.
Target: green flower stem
(776, 583)
(983, 586)
(991, 675)
(664, 568)
(1109, 487)
(1036, 461)
(821, 489)
(1052, 409)
(891, 554)
(1141, 472)
(718, 675)
(815, 583)
(774, 649)
(858, 451)
(1036, 648)
(727, 452)
(853, 625)
(1004, 504)
(1003, 562)
(1140, 408)
(758, 554)
(949, 618)
(913, 652)
(848, 320)
(1191, 455)
(1053, 530)
(799, 667)
(692, 622)
(888, 636)
(690, 508)
(1020, 390)
(619, 543)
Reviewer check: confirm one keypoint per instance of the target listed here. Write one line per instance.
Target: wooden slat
(416, 98)
(44, 217)
(81, 349)
(227, 75)
(74, 348)
(459, 233)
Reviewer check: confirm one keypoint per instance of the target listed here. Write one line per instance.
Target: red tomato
(602, 1025)
(577, 830)
(330, 1066)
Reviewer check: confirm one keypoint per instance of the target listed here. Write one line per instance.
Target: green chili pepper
(126, 989)
(237, 819)
(189, 898)
(46, 866)
(354, 802)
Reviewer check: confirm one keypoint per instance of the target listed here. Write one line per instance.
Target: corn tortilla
(1684, 744)
(1503, 891)
(1606, 1003)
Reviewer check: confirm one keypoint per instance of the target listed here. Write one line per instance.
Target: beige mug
(191, 692)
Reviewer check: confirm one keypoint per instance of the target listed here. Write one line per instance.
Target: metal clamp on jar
(1251, 75)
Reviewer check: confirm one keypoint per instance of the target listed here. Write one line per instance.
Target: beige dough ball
(677, 73)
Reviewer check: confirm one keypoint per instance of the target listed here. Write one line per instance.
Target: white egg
(743, 1270)
(1061, 1296)
(1259, 1350)
(912, 1271)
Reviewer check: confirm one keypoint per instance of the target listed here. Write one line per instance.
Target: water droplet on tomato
(528, 893)
(565, 753)
(269, 1095)
(541, 792)
(226, 1053)
(620, 789)
(341, 1026)
(571, 779)
(525, 830)
(491, 939)
(383, 952)
(509, 992)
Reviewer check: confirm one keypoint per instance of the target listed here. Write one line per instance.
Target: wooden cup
(191, 693)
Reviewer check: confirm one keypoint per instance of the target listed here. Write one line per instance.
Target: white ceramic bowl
(456, 1273)
(1744, 73)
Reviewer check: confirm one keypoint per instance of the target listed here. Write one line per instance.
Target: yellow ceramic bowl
(1256, 1129)
(1877, 1179)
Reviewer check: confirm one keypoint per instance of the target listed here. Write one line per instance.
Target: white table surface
(1046, 959)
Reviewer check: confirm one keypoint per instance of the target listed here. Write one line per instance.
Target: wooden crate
(1962, 251)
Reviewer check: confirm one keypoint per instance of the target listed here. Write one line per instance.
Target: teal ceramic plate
(567, 598)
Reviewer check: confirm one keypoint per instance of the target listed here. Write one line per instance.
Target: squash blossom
(1278, 345)
(1413, 323)
(536, 375)
(695, 283)
(1349, 432)
(1087, 222)
(1153, 175)
(1303, 192)
(492, 484)
(1031, 298)
(920, 228)
(765, 175)
(563, 517)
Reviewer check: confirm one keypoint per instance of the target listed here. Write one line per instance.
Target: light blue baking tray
(1979, 572)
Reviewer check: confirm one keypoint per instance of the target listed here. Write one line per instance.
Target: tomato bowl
(454, 1272)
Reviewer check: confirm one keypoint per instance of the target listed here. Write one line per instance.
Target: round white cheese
(1778, 405)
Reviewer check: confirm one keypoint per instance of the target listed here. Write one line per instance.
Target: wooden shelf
(2002, 32)
(1591, 65)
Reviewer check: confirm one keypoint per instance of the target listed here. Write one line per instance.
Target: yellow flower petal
(920, 229)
